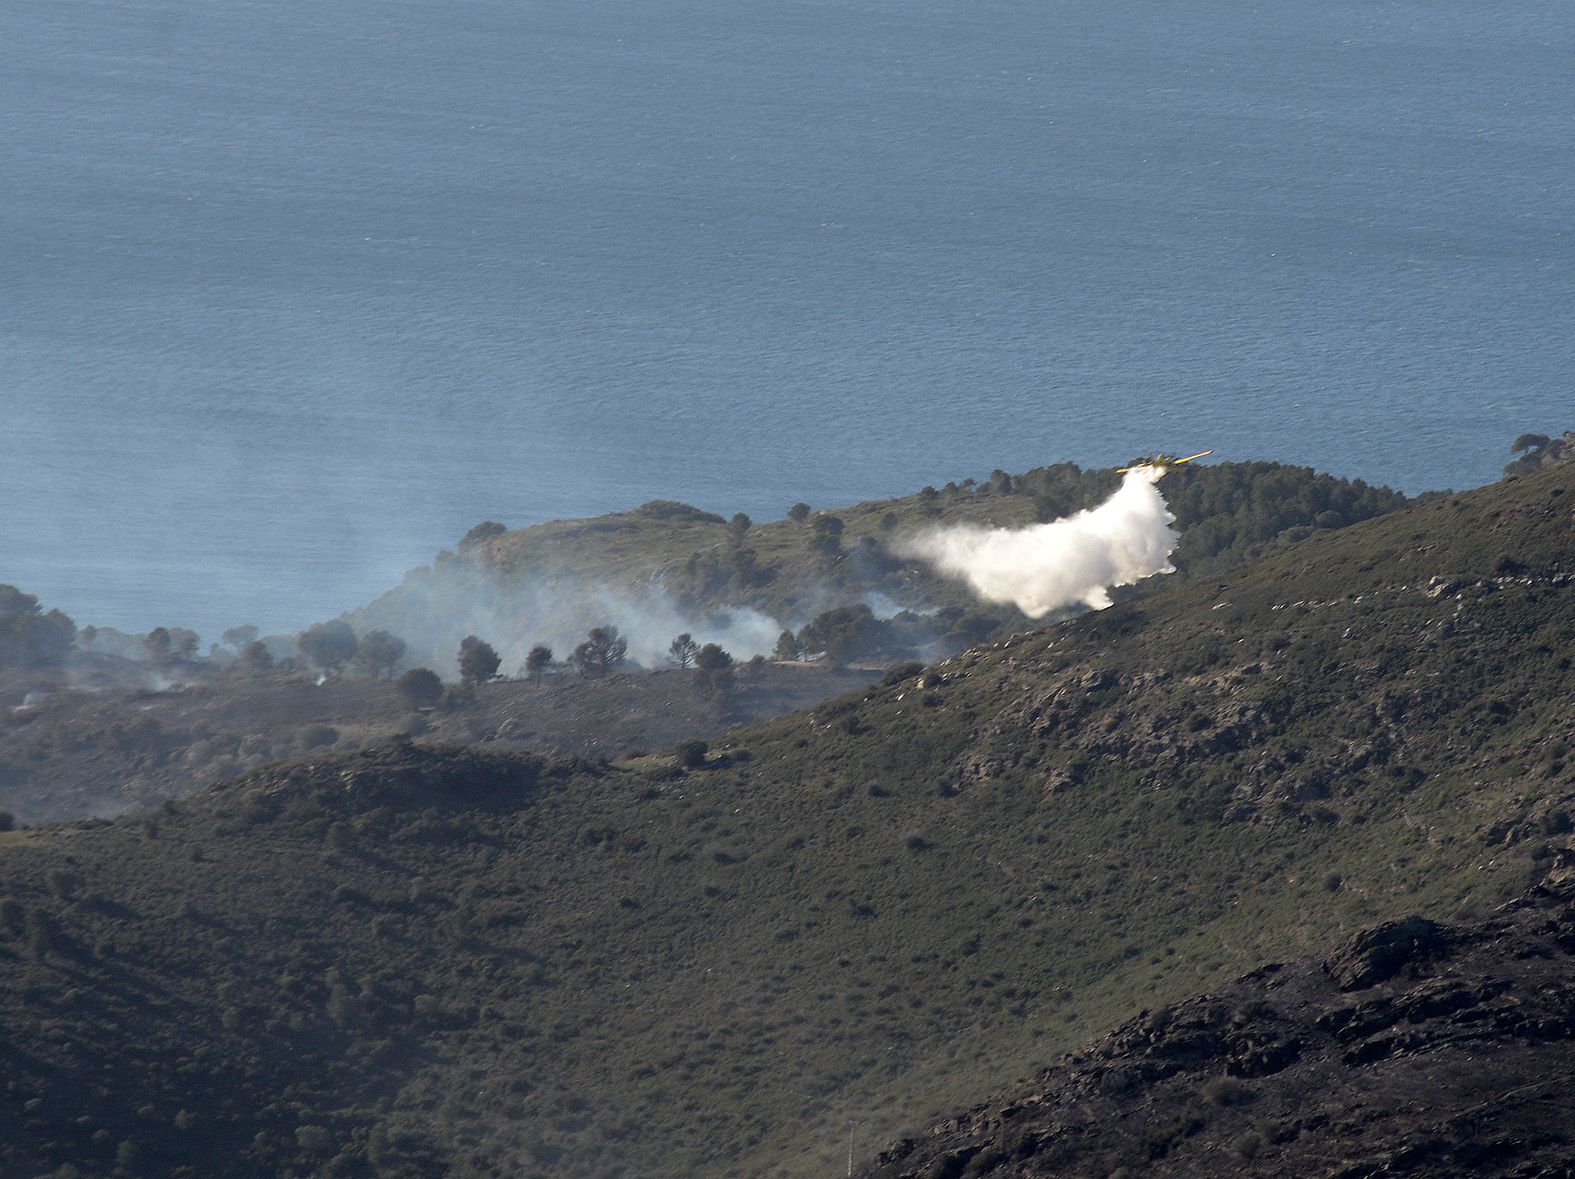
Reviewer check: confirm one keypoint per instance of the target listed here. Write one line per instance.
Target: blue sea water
(291, 295)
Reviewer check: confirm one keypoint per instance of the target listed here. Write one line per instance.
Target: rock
(1381, 952)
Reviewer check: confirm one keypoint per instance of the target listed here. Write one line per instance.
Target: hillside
(98, 730)
(419, 961)
(73, 754)
(1418, 1049)
(665, 567)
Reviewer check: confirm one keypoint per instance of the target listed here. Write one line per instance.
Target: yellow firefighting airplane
(1163, 460)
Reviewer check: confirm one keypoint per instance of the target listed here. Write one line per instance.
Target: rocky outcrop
(1417, 1049)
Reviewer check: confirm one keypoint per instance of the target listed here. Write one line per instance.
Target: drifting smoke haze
(436, 607)
(1067, 562)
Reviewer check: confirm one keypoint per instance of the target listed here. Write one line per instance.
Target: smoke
(650, 620)
(885, 607)
(1067, 562)
(437, 606)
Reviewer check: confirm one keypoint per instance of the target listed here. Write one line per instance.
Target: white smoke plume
(437, 606)
(1067, 562)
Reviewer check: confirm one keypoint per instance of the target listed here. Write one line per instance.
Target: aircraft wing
(1164, 460)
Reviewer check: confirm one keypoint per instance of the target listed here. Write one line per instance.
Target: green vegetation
(328, 645)
(239, 637)
(168, 645)
(410, 960)
(537, 661)
(28, 636)
(602, 653)
(683, 651)
(792, 570)
(690, 755)
(1539, 450)
(255, 658)
(478, 662)
(377, 653)
(420, 687)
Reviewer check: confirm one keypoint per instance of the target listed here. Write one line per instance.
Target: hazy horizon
(295, 298)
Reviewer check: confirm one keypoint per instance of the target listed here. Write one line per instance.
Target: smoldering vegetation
(439, 605)
(801, 588)
(68, 754)
(913, 577)
(94, 719)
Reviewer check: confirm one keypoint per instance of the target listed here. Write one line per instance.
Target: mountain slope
(441, 960)
(1420, 1049)
(78, 754)
(665, 567)
(102, 732)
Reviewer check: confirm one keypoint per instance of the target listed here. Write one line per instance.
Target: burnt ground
(69, 751)
(1418, 1049)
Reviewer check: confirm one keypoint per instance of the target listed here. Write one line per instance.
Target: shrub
(1226, 1091)
(672, 510)
(317, 736)
(43, 932)
(903, 671)
(62, 883)
(690, 754)
(420, 687)
(1248, 1145)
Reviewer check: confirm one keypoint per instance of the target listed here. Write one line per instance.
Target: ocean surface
(291, 295)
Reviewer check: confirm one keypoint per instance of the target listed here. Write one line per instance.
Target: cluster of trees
(845, 634)
(853, 633)
(713, 666)
(825, 530)
(332, 646)
(420, 687)
(729, 572)
(1540, 450)
(28, 636)
(169, 645)
(604, 652)
(1237, 511)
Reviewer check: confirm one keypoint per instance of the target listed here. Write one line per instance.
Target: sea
(291, 295)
